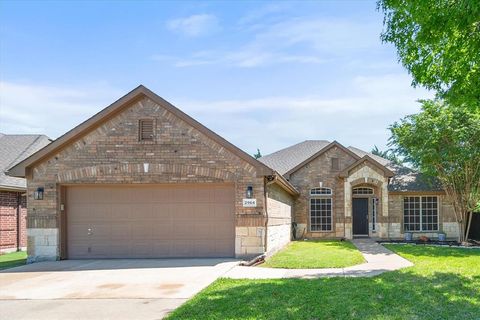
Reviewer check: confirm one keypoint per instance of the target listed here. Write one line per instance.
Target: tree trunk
(469, 223)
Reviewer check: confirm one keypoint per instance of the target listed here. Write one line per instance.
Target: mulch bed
(472, 243)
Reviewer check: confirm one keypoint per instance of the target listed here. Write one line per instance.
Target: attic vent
(145, 130)
(335, 165)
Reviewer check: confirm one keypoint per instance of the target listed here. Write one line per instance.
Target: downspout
(19, 224)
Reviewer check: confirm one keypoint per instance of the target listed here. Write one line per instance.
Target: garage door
(150, 222)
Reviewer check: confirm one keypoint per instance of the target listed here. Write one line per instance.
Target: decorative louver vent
(145, 132)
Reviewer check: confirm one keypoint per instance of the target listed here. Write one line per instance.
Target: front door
(360, 216)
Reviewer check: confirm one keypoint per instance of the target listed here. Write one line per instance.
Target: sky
(260, 74)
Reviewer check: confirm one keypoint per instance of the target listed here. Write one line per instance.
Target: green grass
(14, 259)
(315, 254)
(443, 284)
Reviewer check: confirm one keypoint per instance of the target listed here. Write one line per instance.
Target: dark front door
(360, 216)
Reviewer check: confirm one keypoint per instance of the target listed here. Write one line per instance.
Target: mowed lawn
(316, 254)
(443, 284)
(14, 259)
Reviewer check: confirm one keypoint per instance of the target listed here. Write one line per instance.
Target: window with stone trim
(321, 209)
(420, 213)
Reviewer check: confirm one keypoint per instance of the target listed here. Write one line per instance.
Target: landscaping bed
(313, 254)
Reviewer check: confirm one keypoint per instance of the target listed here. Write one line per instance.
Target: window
(420, 213)
(335, 165)
(321, 209)
(362, 190)
(321, 214)
(145, 130)
(320, 191)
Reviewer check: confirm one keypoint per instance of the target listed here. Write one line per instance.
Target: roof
(404, 179)
(286, 159)
(14, 148)
(19, 170)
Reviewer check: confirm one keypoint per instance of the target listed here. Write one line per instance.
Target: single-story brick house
(141, 179)
(13, 211)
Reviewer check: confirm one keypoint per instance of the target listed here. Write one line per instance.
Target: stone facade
(279, 209)
(113, 154)
(13, 214)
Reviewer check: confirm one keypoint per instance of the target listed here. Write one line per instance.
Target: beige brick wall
(112, 154)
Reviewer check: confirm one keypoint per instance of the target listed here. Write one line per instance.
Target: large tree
(438, 42)
(443, 141)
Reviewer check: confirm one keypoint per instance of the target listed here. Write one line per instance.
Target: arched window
(321, 210)
(363, 190)
(321, 192)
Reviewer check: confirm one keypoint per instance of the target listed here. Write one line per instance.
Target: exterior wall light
(38, 194)
(249, 192)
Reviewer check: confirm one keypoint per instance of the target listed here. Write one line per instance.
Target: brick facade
(112, 154)
(389, 206)
(12, 205)
(317, 171)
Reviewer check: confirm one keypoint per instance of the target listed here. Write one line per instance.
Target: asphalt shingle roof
(15, 148)
(405, 179)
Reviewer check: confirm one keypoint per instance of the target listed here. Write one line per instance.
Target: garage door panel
(162, 211)
(150, 222)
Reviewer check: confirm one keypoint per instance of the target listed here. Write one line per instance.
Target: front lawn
(14, 259)
(315, 254)
(443, 284)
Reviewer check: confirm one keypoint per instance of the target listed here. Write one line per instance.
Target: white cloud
(194, 25)
(359, 117)
(51, 110)
(290, 40)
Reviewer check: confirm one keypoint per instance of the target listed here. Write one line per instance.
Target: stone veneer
(279, 225)
(112, 154)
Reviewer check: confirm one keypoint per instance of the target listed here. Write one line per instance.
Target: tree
(443, 141)
(438, 42)
(258, 154)
(387, 154)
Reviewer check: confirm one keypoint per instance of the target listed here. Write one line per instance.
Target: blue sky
(260, 74)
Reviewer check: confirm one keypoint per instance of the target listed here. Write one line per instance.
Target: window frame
(321, 197)
(328, 192)
(423, 215)
(370, 193)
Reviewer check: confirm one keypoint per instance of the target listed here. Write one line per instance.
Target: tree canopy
(443, 141)
(387, 154)
(438, 42)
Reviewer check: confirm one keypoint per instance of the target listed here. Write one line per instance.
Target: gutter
(19, 224)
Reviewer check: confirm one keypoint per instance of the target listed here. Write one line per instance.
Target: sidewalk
(379, 259)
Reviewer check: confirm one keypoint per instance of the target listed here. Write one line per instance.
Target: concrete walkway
(379, 259)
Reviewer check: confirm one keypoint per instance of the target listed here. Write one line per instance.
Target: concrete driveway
(105, 289)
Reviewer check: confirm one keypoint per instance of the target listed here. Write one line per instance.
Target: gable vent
(145, 132)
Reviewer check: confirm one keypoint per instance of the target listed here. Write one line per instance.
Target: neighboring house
(13, 149)
(141, 179)
(347, 192)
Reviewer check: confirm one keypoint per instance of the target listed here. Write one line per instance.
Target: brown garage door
(150, 222)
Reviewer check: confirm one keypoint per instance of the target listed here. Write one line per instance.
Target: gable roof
(19, 170)
(367, 158)
(288, 160)
(15, 148)
(284, 160)
(404, 179)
